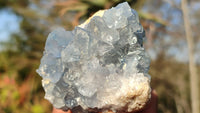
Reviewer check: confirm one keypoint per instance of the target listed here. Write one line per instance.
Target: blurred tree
(85, 8)
(194, 85)
(21, 57)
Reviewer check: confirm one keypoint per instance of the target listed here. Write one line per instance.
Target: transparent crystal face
(92, 66)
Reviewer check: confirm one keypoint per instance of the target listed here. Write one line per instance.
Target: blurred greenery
(20, 87)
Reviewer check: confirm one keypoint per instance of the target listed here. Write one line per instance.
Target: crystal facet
(100, 64)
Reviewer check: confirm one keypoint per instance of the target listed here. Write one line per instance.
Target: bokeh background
(25, 25)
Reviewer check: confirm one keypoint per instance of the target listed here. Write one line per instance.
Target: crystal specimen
(100, 64)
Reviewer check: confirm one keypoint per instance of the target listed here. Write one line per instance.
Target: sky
(9, 23)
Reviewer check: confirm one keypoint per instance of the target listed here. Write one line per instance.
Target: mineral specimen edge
(100, 64)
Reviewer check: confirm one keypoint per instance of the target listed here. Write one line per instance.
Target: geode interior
(100, 64)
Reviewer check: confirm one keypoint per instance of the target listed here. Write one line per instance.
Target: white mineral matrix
(100, 65)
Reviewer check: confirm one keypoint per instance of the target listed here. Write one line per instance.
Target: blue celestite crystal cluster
(100, 64)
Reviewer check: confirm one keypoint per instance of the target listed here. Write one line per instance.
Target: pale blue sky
(9, 23)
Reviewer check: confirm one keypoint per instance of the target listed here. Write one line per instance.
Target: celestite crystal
(101, 64)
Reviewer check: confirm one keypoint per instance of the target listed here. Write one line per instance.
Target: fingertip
(154, 96)
(154, 93)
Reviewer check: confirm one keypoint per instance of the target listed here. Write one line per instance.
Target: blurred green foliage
(37, 109)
